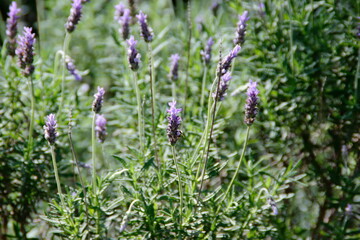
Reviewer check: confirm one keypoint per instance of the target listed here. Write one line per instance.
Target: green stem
(203, 89)
(173, 89)
(152, 89)
(357, 79)
(237, 170)
(65, 47)
(31, 128)
(140, 122)
(188, 52)
(93, 142)
(57, 175)
(179, 182)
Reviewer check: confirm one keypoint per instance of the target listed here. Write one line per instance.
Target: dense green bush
(298, 175)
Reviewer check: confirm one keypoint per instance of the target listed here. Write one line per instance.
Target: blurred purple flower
(146, 31)
(206, 53)
(125, 22)
(119, 11)
(241, 28)
(215, 8)
(252, 101)
(133, 55)
(226, 64)
(100, 128)
(261, 9)
(174, 69)
(75, 15)
(224, 84)
(25, 51)
(70, 66)
(11, 27)
(99, 99)
(50, 129)
(173, 131)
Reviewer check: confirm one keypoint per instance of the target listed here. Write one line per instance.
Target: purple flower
(174, 67)
(50, 129)
(261, 9)
(125, 21)
(70, 66)
(133, 55)
(75, 15)
(119, 11)
(273, 206)
(241, 28)
(252, 101)
(358, 28)
(173, 131)
(206, 53)
(146, 31)
(99, 99)
(11, 28)
(224, 84)
(226, 64)
(25, 51)
(100, 128)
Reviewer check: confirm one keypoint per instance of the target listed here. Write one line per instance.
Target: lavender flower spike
(226, 64)
(11, 28)
(70, 66)
(133, 55)
(206, 53)
(241, 28)
(125, 21)
(146, 31)
(25, 51)
(100, 128)
(119, 11)
(75, 15)
(173, 131)
(224, 84)
(252, 101)
(50, 129)
(99, 99)
(174, 69)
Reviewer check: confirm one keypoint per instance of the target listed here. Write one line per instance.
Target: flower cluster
(173, 131)
(119, 11)
(98, 101)
(75, 15)
(226, 64)
(50, 129)
(25, 51)
(70, 66)
(241, 28)
(206, 53)
(252, 101)
(11, 28)
(223, 86)
(174, 69)
(100, 128)
(125, 22)
(133, 55)
(146, 31)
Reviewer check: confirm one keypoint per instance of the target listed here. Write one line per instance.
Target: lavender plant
(224, 177)
(11, 28)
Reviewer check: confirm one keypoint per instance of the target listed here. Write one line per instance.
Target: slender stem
(173, 89)
(78, 168)
(203, 89)
(140, 122)
(179, 182)
(31, 128)
(237, 169)
(357, 79)
(210, 135)
(93, 142)
(188, 52)
(57, 175)
(152, 89)
(65, 47)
